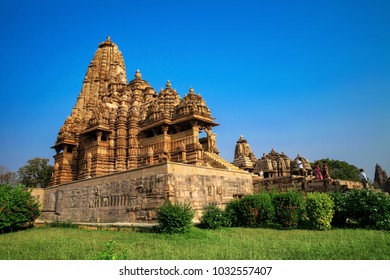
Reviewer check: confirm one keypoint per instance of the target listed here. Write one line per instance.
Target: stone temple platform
(134, 196)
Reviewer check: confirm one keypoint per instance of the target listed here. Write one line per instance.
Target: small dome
(193, 103)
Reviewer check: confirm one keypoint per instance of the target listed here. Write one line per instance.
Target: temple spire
(106, 65)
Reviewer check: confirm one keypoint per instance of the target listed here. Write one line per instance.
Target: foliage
(289, 209)
(232, 213)
(368, 208)
(8, 177)
(340, 169)
(36, 173)
(340, 209)
(319, 210)
(174, 218)
(213, 218)
(109, 252)
(62, 224)
(362, 208)
(254, 210)
(18, 209)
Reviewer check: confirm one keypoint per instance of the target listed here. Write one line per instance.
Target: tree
(18, 208)
(8, 177)
(36, 173)
(340, 169)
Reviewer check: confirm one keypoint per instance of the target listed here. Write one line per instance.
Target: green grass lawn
(48, 243)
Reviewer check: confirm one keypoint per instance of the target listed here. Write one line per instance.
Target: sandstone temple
(118, 125)
(126, 148)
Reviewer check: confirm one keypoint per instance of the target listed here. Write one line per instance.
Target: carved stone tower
(244, 158)
(117, 126)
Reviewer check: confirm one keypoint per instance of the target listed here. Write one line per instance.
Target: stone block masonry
(134, 196)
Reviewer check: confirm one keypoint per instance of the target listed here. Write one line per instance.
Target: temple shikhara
(118, 125)
(126, 148)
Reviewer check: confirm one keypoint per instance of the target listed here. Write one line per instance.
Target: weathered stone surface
(134, 196)
(386, 186)
(298, 183)
(380, 176)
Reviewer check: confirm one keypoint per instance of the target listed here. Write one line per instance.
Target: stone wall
(134, 196)
(202, 186)
(299, 183)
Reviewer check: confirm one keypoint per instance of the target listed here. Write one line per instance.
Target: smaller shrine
(244, 158)
(271, 165)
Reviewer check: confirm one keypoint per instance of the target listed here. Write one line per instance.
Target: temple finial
(168, 85)
(138, 74)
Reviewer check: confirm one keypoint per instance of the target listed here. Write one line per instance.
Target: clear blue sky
(308, 77)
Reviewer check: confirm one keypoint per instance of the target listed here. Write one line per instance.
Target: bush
(362, 208)
(250, 211)
(256, 210)
(213, 218)
(289, 209)
(18, 209)
(319, 210)
(232, 213)
(368, 209)
(340, 209)
(174, 218)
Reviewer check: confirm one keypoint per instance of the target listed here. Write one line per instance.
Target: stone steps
(218, 162)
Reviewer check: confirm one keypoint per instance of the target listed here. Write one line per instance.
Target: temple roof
(139, 83)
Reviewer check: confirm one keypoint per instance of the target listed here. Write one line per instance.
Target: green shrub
(18, 209)
(289, 209)
(340, 209)
(319, 210)
(232, 213)
(256, 210)
(368, 209)
(213, 218)
(250, 211)
(174, 218)
(110, 252)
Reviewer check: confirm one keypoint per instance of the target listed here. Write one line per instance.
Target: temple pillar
(150, 156)
(99, 136)
(133, 142)
(121, 135)
(195, 132)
